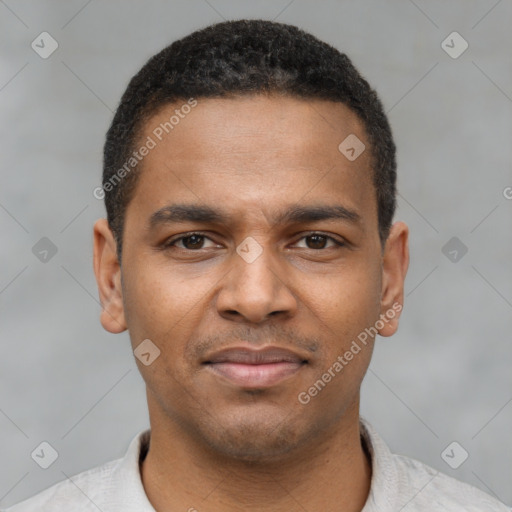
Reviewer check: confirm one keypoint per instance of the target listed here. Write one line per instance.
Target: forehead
(253, 151)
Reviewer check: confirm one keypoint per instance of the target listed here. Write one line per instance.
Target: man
(249, 181)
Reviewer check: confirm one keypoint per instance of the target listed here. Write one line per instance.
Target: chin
(259, 448)
(255, 440)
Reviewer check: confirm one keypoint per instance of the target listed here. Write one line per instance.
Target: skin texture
(215, 445)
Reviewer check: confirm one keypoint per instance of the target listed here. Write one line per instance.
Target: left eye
(193, 240)
(319, 241)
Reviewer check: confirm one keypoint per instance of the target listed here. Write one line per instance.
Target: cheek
(162, 308)
(347, 309)
(165, 307)
(349, 300)
(349, 306)
(150, 310)
(157, 298)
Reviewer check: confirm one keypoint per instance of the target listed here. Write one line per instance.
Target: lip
(250, 368)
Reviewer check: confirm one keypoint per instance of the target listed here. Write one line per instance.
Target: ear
(395, 262)
(108, 278)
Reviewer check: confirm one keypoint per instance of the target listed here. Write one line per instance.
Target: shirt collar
(127, 493)
(383, 495)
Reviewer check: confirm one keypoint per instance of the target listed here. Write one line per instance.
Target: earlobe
(395, 262)
(108, 278)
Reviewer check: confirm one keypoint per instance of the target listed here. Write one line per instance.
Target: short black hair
(243, 57)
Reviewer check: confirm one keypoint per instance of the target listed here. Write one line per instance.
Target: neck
(331, 472)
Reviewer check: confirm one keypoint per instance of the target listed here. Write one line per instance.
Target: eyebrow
(294, 214)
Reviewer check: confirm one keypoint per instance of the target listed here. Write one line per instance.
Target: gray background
(445, 376)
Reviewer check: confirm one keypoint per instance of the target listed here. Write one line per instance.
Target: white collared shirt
(399, 484)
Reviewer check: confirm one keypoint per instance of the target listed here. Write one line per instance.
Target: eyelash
(171, 243)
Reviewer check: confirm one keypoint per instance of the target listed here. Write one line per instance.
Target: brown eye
(193, 241)
(317, 241)
(190, 242)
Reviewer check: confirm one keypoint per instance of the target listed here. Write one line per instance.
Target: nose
(254, 291)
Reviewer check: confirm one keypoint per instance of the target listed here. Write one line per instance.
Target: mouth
(249, 368)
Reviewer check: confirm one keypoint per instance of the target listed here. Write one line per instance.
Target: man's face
(254, 278)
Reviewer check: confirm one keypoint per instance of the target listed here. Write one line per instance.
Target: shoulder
(425, 488)
(115, 486)
(403, 483)
(79, 492)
